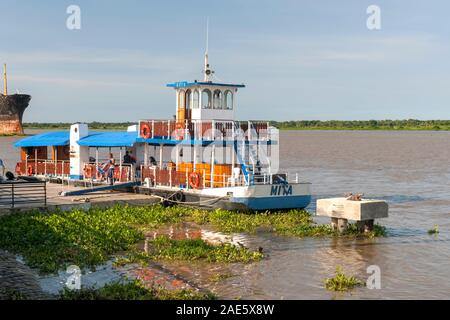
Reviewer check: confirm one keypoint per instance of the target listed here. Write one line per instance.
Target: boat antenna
(207, 70)
(5, 81)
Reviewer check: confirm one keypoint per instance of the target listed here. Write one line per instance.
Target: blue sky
(299, 59)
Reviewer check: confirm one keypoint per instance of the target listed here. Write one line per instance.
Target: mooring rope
(213, 200)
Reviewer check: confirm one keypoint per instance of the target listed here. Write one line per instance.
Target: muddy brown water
(410, 170)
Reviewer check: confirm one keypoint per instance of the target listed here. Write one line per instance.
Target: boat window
(206, 99)
(228, 104)
(217, 99)
(195, 100)
(181, 99)
(188, 99)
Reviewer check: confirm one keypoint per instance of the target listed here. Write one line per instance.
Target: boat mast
(5, 81)
(207, 71)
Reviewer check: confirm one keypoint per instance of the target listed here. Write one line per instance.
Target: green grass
(341, 282)
(133, 290)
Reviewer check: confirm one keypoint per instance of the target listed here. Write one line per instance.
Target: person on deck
(112, 164)
(127, 158)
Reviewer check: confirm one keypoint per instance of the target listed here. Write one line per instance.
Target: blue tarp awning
(56, 138)
(109, 139)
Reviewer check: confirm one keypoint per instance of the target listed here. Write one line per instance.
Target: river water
(410, 170)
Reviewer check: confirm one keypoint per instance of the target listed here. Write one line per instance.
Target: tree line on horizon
(409, 124)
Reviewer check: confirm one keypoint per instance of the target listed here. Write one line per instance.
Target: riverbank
(380, 125)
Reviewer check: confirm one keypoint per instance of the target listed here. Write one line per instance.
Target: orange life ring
(146, 131)
(179, 131)
(194, 180)
(30, 170)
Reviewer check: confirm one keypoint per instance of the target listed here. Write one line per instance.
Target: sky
(300, 60)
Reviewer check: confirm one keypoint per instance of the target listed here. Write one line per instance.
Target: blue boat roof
(54, 138)
(109, 139)
(186, 84)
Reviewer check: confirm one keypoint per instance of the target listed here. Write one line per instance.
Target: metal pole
(56, 161)
(120, 164)
(212, 165)
(160, 156)
(12, 195)
(35, 161)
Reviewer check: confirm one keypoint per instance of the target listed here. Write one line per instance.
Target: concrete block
(366, 209)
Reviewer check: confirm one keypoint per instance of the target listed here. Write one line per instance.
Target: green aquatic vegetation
(11, 294)
(220, 277)
(378, 231)
(133, 290)
(341, 282)
(435, 230)
(289, 223)
(188, 249)
(49, 241)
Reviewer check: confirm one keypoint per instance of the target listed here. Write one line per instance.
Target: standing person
(112, 164)
(127, 158)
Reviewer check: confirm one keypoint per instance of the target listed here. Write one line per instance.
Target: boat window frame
(195, 99)
(225, 100)
(218, 99)
(188, 98)
(206, 103)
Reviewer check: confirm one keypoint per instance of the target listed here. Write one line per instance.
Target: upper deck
(204, 131)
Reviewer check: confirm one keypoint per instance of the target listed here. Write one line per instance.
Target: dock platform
(103, 199)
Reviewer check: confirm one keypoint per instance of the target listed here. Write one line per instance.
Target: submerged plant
(341, 282)
(435, 230)
(133, 290)
(163, 248)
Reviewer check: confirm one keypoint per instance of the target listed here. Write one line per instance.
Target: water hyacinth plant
(133, 290)
(51, 241)
(341, 282)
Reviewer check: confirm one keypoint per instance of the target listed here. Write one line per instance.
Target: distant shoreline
(372, 125)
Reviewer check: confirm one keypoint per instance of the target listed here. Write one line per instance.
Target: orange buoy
(30, 170)
(146, 131)
(194, 180)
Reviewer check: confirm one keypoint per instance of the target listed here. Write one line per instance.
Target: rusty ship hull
(12, 108)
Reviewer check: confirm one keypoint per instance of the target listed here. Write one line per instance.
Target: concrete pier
(363, 211)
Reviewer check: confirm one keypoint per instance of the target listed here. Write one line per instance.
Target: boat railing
(99, 173)
(170, 177)
(43, 167)
(204, 129)
(184, 179)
